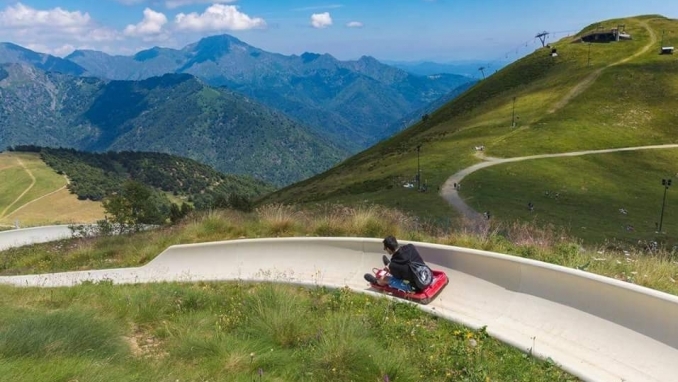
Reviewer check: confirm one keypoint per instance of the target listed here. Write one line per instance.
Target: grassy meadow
(597, 183)
(241, 332)
(36, 195)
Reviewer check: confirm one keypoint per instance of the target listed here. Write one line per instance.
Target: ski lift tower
(542, 37)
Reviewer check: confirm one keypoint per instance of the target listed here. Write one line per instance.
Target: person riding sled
(405, 270)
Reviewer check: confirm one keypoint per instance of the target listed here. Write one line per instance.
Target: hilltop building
(601, 35)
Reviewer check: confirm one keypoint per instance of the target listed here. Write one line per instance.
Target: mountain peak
(221, 37)
(211, 48)
(147, 54)
(307, 57)
(219, 41)
(10, 52)
(86, 52)
(13, 46)
(369, 59)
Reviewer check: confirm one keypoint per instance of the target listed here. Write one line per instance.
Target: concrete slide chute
(597, 328)
(26, 236)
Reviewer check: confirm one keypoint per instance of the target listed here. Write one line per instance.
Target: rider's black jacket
(399, 266)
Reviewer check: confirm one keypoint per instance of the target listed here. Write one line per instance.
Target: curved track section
(597, 328)
(26, 236)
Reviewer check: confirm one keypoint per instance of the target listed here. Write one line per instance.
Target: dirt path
(450, 194)
(33, 201)
(591, 78)
(36, 199)
(25, 191)
(586, 83)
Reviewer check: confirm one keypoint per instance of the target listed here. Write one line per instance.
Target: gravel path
(450, 194)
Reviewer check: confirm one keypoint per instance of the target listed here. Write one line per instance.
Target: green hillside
(94, 176)
(624, 98)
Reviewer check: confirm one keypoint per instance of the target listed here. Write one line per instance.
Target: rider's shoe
(371, 278)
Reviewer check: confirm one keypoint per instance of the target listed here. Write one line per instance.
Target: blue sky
(406, 30)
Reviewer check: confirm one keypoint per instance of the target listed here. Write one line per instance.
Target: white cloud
(56, 28)
(61, 51)
(218, 17)
(321, 20)
(151, 24)
(21, 16)
(171, 4)
(354, 24)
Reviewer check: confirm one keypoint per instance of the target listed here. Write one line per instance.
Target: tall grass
(61, 333)
(241, 332)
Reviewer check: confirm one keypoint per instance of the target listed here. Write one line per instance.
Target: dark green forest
(95, 176)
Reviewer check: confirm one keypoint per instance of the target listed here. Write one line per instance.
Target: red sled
(423, 297)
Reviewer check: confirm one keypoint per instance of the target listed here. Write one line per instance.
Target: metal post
(513, 116)
(418, 169)
(666, 183)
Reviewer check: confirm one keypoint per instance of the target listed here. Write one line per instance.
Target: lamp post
(418, 169)
(666, 183)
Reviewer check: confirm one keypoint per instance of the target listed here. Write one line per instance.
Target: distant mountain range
(416, 116)
(175, 113)
(220, 101)
(12, 53)
(464, 68)
(348, 101)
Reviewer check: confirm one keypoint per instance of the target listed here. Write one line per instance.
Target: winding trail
(591, 78)
(25, 191)
(586, 83)
(450, 194)
(33, 201)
